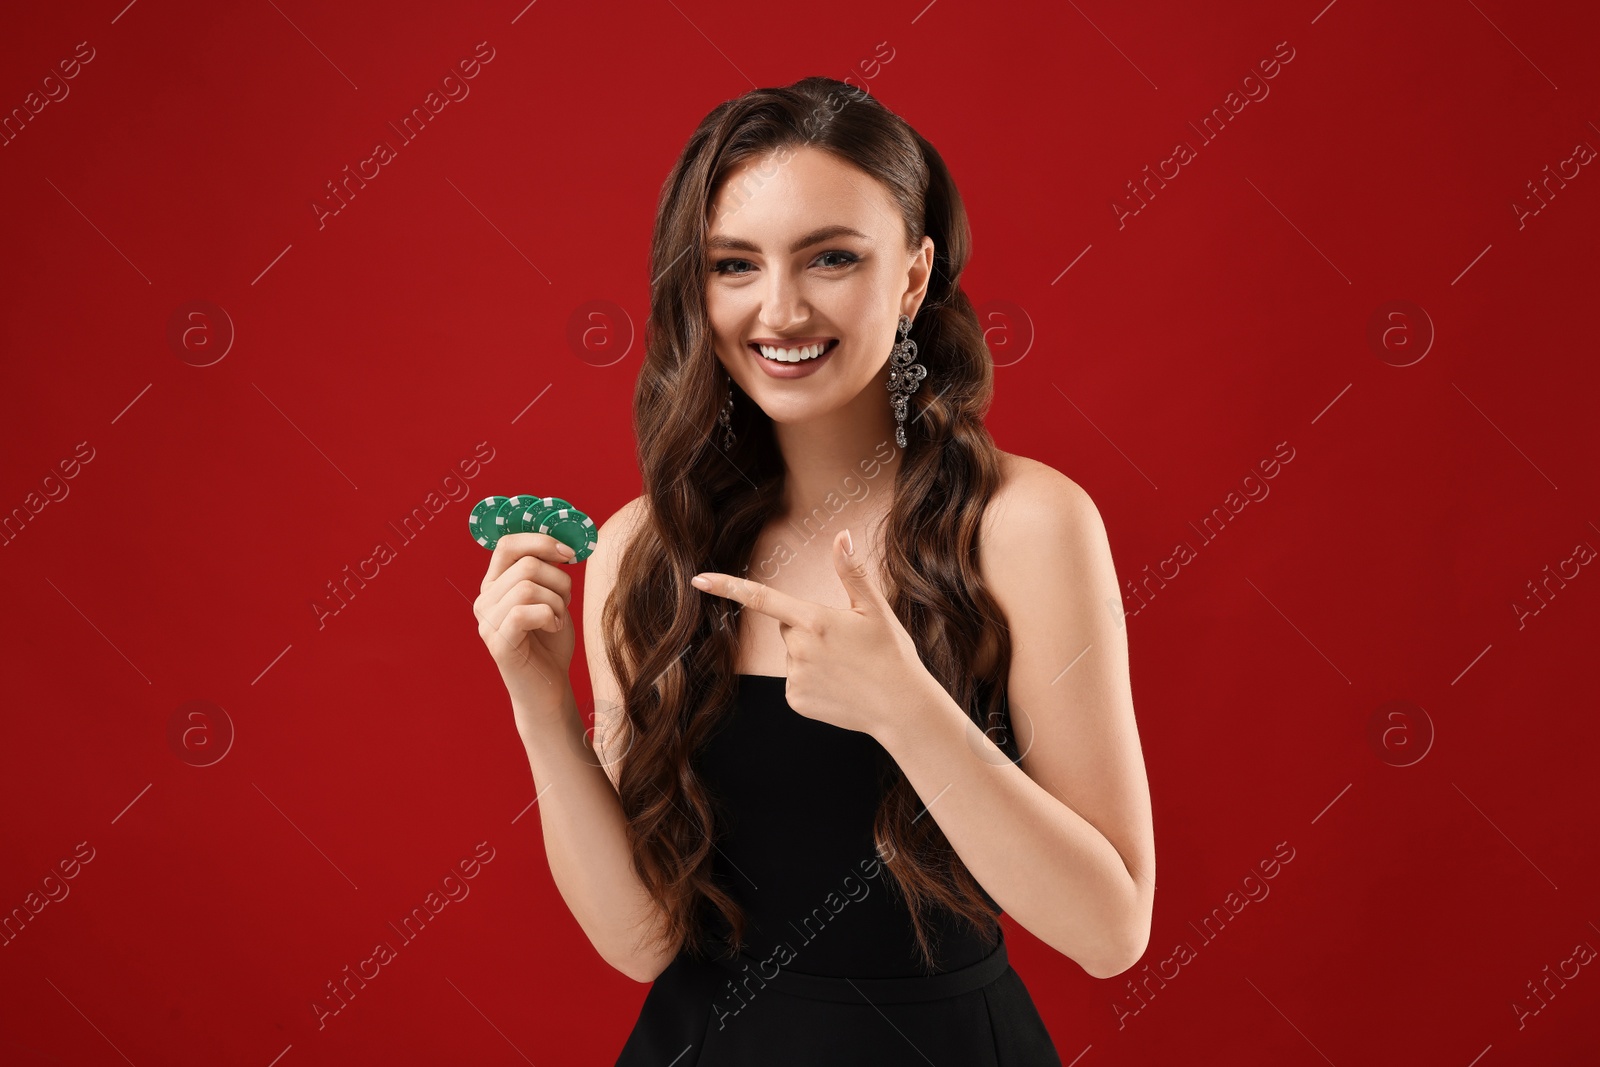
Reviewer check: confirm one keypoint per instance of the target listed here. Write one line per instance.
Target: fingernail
(567, 550)
(849, 545)
(700, 581)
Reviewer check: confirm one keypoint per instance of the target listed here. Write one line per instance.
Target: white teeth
(793, 355)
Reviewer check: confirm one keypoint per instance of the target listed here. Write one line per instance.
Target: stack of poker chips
(495, 516)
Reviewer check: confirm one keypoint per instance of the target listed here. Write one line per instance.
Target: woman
(812, 811)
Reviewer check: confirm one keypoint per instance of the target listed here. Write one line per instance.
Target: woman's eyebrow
(739, 244)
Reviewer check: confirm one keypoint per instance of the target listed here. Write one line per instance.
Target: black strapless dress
(829, 973)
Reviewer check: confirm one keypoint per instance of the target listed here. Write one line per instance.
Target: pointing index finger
(758, 597)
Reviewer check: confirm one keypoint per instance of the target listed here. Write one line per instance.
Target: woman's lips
(802, 369)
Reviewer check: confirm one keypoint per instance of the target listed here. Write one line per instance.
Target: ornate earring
(904, 377)
(725, 418)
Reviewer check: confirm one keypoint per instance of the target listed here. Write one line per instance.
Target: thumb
(853, 573)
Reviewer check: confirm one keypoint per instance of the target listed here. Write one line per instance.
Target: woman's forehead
(780, 196)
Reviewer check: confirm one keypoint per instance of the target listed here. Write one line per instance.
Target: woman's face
(805, 247)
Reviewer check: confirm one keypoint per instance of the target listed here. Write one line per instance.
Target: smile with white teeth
(794, 355)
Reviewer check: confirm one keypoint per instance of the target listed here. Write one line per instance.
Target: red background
(373, 751)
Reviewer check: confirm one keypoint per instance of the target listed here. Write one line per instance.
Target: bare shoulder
(1025, 519)
(1040, 523)
(611, 543)
(623, 523)
(1033, 498)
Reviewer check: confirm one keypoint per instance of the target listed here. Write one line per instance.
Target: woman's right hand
(523, 619)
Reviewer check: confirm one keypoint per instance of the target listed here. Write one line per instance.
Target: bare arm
(586, 844)
(585, 831)
(1064, 842)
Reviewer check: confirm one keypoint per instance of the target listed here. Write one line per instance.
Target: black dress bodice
(796, 799)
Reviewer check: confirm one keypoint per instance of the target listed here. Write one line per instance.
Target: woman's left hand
(856, 667)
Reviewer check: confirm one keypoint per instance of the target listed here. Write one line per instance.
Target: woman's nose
(783, 304)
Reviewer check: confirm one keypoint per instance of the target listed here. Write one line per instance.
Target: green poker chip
(541, 504)
(508, 516)
(572, 528)
(482, 521)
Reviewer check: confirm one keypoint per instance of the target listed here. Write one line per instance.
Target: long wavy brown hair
(668, 645)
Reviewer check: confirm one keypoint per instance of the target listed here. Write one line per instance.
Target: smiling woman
(806, 280)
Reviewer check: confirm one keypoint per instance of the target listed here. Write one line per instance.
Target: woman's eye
(722, 266)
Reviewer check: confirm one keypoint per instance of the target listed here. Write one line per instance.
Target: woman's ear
(917, 277)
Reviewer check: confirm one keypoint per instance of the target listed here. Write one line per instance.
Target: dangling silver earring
(725, 418)
(904, 377)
